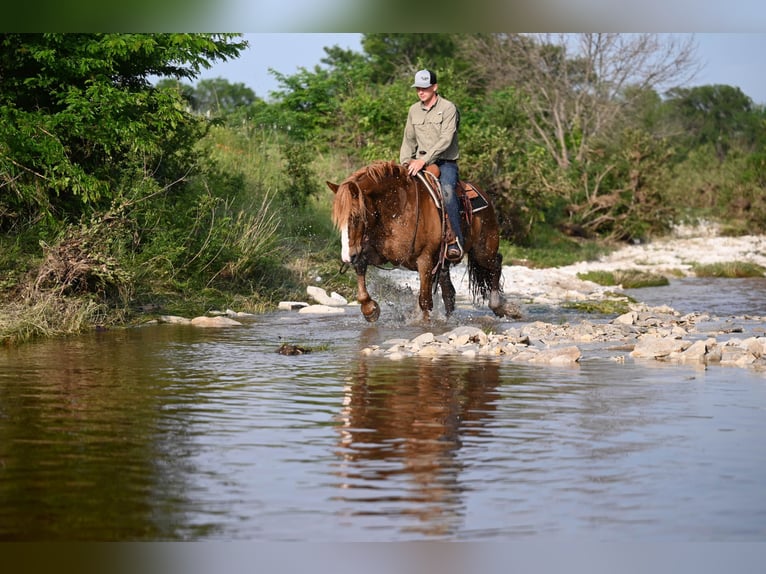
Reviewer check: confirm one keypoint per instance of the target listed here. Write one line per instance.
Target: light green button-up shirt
(433, 131)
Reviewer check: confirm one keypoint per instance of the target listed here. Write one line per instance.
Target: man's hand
(415, 165)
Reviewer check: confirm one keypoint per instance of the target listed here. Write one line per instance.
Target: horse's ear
(333, 186)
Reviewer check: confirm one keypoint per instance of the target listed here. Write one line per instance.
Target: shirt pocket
(428, 127)
(432, 120)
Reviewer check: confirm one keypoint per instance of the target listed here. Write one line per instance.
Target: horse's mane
(346, 205)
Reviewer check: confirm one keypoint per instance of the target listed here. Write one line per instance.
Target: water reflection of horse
(386, 216)
(404, 423)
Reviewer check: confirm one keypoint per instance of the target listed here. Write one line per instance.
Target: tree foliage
(78, 114)
(717, 115)
(390, 54)
(212, 97)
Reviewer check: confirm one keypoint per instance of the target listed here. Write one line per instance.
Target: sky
(728, 58)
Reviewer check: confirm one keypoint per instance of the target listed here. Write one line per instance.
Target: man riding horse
(430, 138)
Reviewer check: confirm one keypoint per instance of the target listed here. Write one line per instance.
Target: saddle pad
(474, 197)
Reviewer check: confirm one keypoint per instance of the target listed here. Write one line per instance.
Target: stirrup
(454, 252)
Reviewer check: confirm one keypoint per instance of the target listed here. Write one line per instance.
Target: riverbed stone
(321, 310)
(652, 346)
(238, 314)
(558, 356)
(214, 322)
(460, 336)
(320, 296)
(628, 318)
(174, 320)
(733, 353)
(697, 352)
(424, 339)
(756, 345)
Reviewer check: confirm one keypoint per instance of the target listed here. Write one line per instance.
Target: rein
(417, 218)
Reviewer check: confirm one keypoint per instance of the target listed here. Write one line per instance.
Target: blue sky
(727, 58)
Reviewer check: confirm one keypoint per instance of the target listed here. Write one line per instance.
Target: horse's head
(348, 215)
(364, 200)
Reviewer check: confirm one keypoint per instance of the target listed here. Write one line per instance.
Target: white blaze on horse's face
(345, 252)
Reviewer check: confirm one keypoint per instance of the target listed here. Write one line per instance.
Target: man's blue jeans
(448, 179)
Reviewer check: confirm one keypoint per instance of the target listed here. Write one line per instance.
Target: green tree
(79, 115)
(718, 115)
(391, 55)
(219, 97)
(309, 100)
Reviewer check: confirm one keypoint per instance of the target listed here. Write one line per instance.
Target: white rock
(338, 298)
(423, 339)
(322, 310)
(320, 296)
(215, 322)
(174, 320)
(240, 314)
(628, 318)
(654, 347)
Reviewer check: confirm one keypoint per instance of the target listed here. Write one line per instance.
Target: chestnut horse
(385, 216)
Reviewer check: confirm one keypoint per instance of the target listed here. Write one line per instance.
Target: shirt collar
(427, 108)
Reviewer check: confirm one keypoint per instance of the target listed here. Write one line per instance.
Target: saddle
(468, 195)
(470, 201)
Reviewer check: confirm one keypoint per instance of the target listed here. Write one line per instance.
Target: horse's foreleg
(370, 308)
(425, 298)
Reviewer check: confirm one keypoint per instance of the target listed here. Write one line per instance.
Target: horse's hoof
(508, 311)
(503, 308)
(371, 312)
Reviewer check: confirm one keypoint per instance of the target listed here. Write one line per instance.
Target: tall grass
(628, 278)
(50, 315)
(731, 269)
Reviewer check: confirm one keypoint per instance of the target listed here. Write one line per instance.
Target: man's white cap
(424, 79)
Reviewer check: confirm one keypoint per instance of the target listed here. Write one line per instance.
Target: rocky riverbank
(644, 333)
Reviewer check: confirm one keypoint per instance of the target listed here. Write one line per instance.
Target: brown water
(176, 433)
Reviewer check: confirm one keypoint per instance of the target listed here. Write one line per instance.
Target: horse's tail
(482, 278)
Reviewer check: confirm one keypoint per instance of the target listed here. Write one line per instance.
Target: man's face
(426, 95)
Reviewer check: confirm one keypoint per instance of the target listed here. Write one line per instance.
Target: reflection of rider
(430, 137)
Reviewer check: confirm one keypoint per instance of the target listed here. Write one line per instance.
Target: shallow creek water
(177, 433)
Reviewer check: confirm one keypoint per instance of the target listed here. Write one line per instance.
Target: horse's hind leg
(448, 290)
(485, 270)
(497, 301)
